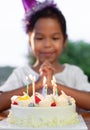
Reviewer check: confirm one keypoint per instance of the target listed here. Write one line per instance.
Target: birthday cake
(39, 111)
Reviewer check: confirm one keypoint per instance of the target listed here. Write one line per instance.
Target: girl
(46, 27)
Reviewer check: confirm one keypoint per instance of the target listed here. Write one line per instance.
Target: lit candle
(44, 89)
(27, 85)
(55, 91)
(33, 83)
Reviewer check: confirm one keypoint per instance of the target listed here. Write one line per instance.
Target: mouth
(47, 54)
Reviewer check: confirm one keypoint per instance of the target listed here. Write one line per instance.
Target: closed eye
(39, 38)
(56, 38)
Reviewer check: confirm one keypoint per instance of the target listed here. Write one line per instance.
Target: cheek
(36, 48)
(38, 45)
(59, 48)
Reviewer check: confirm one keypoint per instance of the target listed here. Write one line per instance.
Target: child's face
(47, 40)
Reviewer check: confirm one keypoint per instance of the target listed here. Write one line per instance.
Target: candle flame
(53, 81)
(26, 77)
(44, 80)
(32, 77)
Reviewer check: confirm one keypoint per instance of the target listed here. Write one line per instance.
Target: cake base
(37, 117)
(4, 125)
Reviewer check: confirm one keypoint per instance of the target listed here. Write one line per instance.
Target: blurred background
(14, 49)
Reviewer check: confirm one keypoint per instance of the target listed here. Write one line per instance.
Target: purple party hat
(28, 4)
(34, 5)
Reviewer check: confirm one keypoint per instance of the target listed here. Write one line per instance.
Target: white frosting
(46, 102)
(43, 116)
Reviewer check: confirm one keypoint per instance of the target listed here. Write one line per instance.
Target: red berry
(15, 103)
(53, 104)
(37, 99)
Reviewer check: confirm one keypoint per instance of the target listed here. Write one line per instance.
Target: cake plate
(80, 126)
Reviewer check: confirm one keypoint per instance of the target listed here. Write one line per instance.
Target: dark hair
(49, 11)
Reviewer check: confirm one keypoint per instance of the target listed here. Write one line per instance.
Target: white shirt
(72, 76)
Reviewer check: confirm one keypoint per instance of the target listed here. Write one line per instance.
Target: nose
(47, 43)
